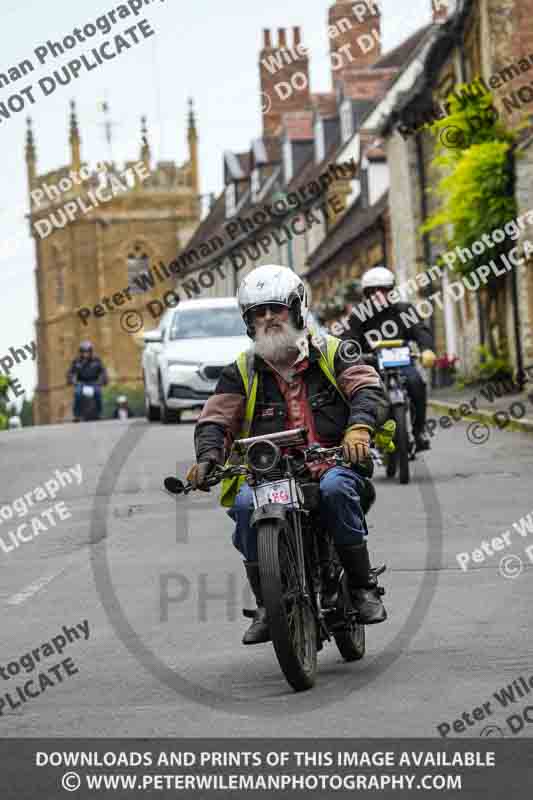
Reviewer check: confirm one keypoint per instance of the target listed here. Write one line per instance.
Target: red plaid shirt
(299, 413)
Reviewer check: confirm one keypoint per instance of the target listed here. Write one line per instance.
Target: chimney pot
(297, 36)
(282, 37)
(267, 40)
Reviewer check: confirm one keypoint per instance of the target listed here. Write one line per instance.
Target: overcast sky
(204, 49)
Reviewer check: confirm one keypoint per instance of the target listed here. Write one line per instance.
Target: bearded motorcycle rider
(388, 319)
(293, 390)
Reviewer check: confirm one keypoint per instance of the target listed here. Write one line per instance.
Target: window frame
(231, 200)
(346, 120)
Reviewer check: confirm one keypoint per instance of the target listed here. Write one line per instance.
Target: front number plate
(395, 357)
(283, 492)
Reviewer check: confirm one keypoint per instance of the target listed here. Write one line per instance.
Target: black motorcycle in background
(305, 589)
(389, 357)
(88, 409)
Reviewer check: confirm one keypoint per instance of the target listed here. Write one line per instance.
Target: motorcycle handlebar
(312, 454)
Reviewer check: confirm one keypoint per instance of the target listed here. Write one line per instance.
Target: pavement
(161, 588)
(511, 411)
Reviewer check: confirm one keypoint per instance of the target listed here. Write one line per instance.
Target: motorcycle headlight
(263, 456)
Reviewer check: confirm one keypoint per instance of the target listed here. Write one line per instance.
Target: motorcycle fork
(299, 552)
(310, 595)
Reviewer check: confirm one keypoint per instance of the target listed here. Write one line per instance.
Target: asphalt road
(162, 587)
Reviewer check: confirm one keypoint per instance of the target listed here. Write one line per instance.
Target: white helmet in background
(378, 278)
(273, 283)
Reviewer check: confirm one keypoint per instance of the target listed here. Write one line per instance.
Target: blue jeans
(340, 511)
(77, 400)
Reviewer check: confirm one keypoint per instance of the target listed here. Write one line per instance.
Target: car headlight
(263, 456)
(188, 364)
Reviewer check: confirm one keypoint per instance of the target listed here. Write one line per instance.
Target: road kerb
(524, 425)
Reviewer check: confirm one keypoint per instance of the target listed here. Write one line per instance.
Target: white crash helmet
(272, 283)
(378, 278)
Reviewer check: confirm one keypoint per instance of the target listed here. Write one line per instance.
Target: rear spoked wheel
(290, 615)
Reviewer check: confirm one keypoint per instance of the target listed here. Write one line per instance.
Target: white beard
(279, 347)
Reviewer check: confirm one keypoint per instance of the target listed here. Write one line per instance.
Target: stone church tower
(96, 251)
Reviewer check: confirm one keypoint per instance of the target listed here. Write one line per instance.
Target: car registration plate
(283, 492)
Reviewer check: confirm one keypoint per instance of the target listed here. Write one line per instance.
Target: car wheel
(168, 415)
(153, 413)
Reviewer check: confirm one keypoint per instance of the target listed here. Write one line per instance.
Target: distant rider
(122, 409)
(89, 370)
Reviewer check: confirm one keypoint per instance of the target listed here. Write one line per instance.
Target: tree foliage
(476, 186)
(5, 383)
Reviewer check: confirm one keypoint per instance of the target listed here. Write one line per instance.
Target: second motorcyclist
(389, 319)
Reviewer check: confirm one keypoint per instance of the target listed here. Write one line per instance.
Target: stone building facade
(380, 209)
(480, 38)
(91, 256)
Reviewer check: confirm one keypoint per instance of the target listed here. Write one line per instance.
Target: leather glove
(198, 473)
(428, 359)
(356, 443)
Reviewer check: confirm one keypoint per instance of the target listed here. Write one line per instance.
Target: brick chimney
(442, 10)
(354, 34)
(284, 75)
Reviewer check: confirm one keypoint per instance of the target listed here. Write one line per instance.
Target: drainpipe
(384, 241)
(425, 237)
(480, 314)
(520, 374)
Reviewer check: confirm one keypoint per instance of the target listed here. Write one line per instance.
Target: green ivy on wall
(476, 189)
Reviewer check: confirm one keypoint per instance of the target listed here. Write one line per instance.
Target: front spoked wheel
(290, 615)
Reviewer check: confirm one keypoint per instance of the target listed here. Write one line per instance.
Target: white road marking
(20, 597)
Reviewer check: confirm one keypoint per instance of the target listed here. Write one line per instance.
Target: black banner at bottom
(51, 769)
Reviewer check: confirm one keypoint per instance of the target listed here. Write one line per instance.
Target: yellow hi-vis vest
(328, 346)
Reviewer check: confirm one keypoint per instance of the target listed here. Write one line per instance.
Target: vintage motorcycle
(388, 358)
(305, 589)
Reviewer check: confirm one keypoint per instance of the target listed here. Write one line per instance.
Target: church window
(138, 270)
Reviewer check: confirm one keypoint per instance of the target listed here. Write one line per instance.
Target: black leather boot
(422, 442)
(363, 584)
(258, 632)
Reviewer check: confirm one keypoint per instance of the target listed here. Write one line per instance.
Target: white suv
(182, 359)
